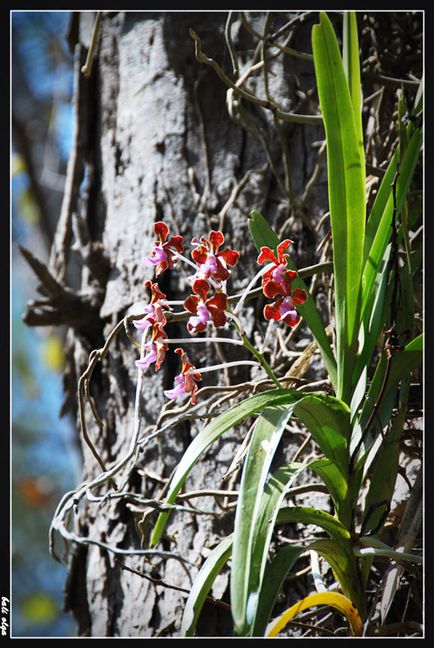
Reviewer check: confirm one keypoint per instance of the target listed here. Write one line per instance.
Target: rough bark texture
(160, 145)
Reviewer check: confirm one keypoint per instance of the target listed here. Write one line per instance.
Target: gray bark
(160, 145)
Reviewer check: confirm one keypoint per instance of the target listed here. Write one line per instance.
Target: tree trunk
(155, 142)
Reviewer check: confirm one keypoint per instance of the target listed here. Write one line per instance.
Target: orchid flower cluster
(209, 302)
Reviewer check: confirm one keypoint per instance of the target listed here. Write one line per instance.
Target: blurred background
(45, 458)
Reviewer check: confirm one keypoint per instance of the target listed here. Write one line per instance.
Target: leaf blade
(265, 439)
(345, 164)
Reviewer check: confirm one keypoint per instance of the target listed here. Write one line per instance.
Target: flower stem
(204, 339)
(236, 363)
(264, 364)
(257, 276)
(260, 358)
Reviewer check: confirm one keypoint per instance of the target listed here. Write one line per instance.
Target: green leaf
(345, 164)
(328, 420)
(263, 235)
(384, 470)
(245, 585)
(401, 365)
(326, 417)
(351, 63)
(202, 585)
(380, 228)
(384, 463)
(274, 491)
(374, 318)
(382, 198)
(210, 433)
(344, 566)
(337, 486)
(261, 232)
(275, 574)
(308, 515)
(338, 551)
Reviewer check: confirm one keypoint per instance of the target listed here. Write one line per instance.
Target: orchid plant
(348, 427)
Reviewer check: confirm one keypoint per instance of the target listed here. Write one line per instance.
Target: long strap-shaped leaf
(338, 550)
(265, 439)
(329, 431)
(381, 394)
(351, 63)
(334, 599)
(274, 492)
(275, 574)
(328, 420)
(379, 225)
(337, 485)
(346, 194)
(210, 433)
(202, 585)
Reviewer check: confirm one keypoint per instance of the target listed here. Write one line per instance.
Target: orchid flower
(277, 280)
(156, 347)
(185, 382)
(165, 251)
(211, 263)
(205, 309)
(154, 310)
(283, 309)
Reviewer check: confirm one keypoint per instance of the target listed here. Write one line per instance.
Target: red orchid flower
(205, 309)
(212, 263)
(164, 251)
(283, 309)
(154, 310)
(185, 382)
(277, 280)
(156, 347)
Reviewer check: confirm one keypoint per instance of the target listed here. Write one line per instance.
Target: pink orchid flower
(185, 382)
(164, 253)
(205, 309)
(213, 264)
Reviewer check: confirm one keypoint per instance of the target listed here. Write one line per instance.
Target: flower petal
(200, 254)
(299, 296)
(176, 242)
(161, 230)
(217, 305)
(267, 254)
(201, 288)
(282, 247)
(191, 304)
(292, 318)
(216, 240)
(272, 311)
(230, 257)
